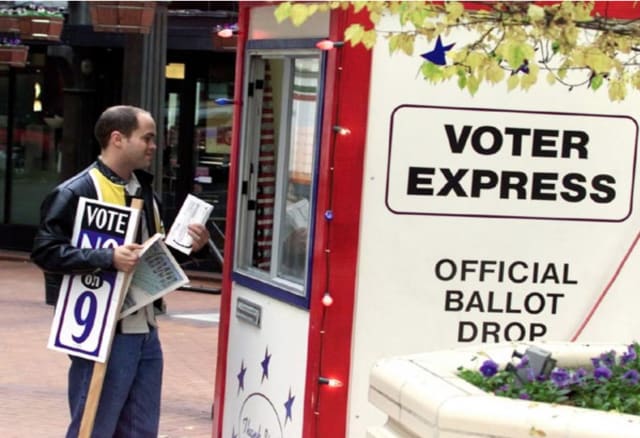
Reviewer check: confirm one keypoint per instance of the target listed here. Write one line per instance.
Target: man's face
(140, 147)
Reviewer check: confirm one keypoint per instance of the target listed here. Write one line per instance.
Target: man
(130, 400)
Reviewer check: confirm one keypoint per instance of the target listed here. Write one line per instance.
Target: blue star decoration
(524, 68)
(288, 405)
(265, 365)
(241, 374)
(437, 55)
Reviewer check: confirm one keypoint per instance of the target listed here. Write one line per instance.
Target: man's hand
(125, 257)
(200, 236)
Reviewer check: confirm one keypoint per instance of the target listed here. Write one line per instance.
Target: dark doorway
(198, 139)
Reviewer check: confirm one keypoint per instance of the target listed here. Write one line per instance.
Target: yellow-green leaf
(313, 8)
(405, 43)
(635, 80)
(515, 52)
(527, 80)
(448, 71)
(513, 82)
(393, 43)
(431, 72)
(475, 59)
(282, 12)
(537, 432)
(494, 72)
(454, 11)
(369, 38)
(462, 81)
(473, 84)
(535, 12)
(597, 60)
(299, 14)
(551, 78)
(596, 82)
(354, 34)
(617, 90)
(358, 6)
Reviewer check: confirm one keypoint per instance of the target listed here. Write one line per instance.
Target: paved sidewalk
(33, 378)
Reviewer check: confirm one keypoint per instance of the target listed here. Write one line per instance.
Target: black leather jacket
(52, 249)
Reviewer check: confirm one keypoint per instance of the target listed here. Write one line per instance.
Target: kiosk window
(279, 147)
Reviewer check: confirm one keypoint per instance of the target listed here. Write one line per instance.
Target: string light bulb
(227, 31)
(341, 130)
(333, 383)
(224, 101)
(328, 44)
(327, 299)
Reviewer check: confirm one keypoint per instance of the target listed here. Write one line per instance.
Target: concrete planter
(423, 397)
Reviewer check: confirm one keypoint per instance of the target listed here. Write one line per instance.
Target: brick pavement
(33, 378)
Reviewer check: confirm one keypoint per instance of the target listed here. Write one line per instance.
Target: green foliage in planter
(31, 11)
(611, 383)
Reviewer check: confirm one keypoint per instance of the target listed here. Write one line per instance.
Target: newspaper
(193, 210)
(156, 274)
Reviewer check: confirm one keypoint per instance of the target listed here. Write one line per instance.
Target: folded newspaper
(156, 274)
(193, 210)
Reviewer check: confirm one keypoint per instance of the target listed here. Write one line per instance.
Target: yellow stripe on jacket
(107, 190)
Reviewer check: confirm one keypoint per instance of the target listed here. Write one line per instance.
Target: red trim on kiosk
(346, 94)
(225, 299)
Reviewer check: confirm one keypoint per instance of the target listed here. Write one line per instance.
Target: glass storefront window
(4, 120)
(35, 150)
(212, 145)
(30, 164)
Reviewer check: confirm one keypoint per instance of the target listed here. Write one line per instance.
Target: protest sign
(89, 303)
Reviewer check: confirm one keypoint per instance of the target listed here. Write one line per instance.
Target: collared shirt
(140, 320)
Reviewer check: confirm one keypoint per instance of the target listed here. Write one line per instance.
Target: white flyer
(193, 210)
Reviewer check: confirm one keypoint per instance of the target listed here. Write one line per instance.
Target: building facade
(48, 106)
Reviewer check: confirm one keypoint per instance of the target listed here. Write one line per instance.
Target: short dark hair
(122, 118)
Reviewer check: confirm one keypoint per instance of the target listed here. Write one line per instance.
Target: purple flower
(602, 372)
(560, 377)
(524, 396)
(631, 377)
(629, 356)
(608, 358)
(530, 375)
(524, 361)
(578, 376)
(489, 368)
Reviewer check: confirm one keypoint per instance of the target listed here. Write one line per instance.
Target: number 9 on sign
(85, 314)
